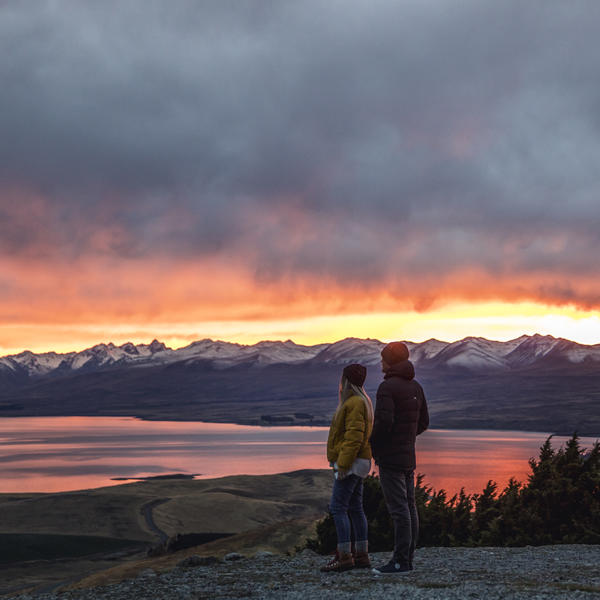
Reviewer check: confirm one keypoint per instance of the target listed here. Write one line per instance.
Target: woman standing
(349, 453)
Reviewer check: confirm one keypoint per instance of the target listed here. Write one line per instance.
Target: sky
(308, 170)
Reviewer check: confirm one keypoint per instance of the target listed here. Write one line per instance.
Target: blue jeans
(346, 508)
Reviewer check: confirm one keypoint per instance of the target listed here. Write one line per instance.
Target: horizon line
(110, 343)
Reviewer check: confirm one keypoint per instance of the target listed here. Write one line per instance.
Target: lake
(51, 454)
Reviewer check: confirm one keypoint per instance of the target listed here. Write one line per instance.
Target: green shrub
(559, 503)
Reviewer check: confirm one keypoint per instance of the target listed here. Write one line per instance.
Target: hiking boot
(392, 567)
(361, 560)
(342, 561)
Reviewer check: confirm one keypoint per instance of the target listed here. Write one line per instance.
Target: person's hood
(404, 369)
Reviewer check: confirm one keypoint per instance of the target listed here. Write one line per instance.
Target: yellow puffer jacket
(349, 433)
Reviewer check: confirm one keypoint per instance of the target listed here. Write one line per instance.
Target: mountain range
(471, 354)
(536, 383)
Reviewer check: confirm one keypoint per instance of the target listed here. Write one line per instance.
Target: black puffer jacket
(400, 416)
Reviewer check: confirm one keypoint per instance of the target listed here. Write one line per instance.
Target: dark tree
(559, 504)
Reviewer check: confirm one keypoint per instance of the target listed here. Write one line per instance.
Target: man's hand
(342, 473)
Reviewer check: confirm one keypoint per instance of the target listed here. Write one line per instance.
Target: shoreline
(287, 424)
(159, 479)
(324, 425)
(202, 458)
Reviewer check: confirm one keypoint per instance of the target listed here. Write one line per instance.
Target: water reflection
(49, 454)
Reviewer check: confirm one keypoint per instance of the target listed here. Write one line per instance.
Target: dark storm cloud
(442, 134)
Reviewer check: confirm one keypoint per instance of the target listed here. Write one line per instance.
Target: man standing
(400, 416)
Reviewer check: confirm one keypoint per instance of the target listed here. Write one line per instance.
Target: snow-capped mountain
(350, 350)
(471, 354)
(219, 354)
(226, 354)
(99, 356)
(541, 383)
(426, 350)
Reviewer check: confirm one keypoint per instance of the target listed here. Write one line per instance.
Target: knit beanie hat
(394, 352)
(355, 374)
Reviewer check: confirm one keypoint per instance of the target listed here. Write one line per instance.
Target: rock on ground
(569, 572)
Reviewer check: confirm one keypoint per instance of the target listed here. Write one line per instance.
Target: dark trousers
(399, 492)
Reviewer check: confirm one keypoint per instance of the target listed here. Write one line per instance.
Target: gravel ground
(446, 573)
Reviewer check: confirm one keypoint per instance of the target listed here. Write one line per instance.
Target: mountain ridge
(532, 383)
(471, 354)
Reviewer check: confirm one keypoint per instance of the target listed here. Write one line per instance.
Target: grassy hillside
(267, 511)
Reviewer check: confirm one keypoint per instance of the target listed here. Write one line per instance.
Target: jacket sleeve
(355, 425)
(384, 417)
(423, 423)
(331, 455)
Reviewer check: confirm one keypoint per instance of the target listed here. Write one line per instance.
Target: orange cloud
(98, 272)
(98, 290)
(106, 295)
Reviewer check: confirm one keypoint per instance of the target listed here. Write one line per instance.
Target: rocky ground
(446, 573)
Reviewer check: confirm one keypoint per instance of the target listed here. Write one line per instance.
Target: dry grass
(253, 507)
(225, 505)
(279, 538)
(79, 513)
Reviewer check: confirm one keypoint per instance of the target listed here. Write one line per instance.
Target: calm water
(49, 454)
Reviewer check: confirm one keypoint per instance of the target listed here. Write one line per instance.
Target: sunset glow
(496, 321)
